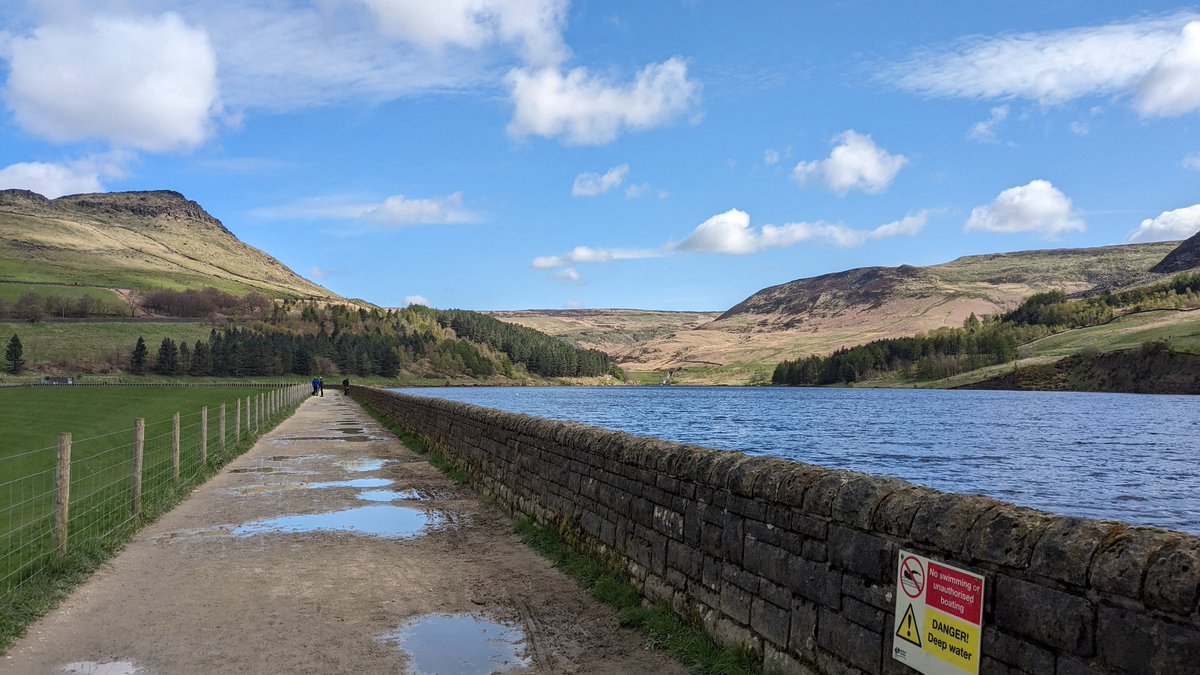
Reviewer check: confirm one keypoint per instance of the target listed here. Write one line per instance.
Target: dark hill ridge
(1182, 259)
(134, 240)
(868, 286)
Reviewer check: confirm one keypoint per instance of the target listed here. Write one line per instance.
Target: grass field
(101, 421)
(11, 292)
(67, 345)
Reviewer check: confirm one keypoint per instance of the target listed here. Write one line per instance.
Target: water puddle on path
(356, 483)
(105, 668)
(362, 465)
(397, 522)
(390, 495)
(460, 643)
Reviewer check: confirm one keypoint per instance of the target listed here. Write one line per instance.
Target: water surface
(1130, 457)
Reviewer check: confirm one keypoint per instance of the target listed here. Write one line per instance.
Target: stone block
(1046, 616)
(1015, 652)
(809, 526)
(1067, 547)
(1173, 580)
(818, 498)
(1132, 642)
(849, 641)
(774, 593)
(763, 531)
(730, 634)
(771, 622)
(732, 537)
(747, 506)
(685, 559)
(815, 550)
(795, 480)
(865, 615)
(765, 560)
(737, 575)
(782, 663)
(856, 502)
(735, 602)
(1122, 561)
(802, 639)
(1007, 536)
(945, 520)
(815, 581)
(668, 522)
(862, 553)
(692, 524)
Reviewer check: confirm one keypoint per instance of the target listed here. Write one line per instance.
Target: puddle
(356, 439)
(362, 465)
(105, 668)
(375, 521)
(390, 495)
(478, 645)
(256, 469)
(356, 483)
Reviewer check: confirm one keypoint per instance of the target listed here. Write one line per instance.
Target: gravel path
(330, 547)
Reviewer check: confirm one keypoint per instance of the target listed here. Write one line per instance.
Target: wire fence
(101, 488)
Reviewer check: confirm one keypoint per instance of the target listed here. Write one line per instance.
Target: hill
(609, 330)
(1183, 258)
(134, 241)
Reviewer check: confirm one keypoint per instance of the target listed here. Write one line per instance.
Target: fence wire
(102, 507)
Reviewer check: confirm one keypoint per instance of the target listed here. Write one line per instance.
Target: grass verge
(662, 628)
(22, 606)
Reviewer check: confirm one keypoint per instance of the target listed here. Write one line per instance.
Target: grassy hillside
(606, 329)
(133, 240)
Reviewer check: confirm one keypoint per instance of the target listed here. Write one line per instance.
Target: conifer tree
(138, 361)
(15, 355)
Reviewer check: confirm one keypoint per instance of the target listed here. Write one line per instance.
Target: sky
(672, 154)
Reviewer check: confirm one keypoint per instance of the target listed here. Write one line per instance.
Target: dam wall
(798, 563)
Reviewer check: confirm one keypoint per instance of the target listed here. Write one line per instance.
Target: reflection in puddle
(356, 483)
(106, 668)
(362, 465)
(389, 495)
(478, 645)
(375, 521)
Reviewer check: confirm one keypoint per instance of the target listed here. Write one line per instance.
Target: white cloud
(395, 211)
(587, 254)
(591, 184)
(416, 300)
(1080, 128)
(644, 190)
(1154, 60)
(771, 157)
(534, 25)
(730, 233)
(1172, 87)
(986, 129)
(1169, 225)
(1037, 207)
(55, 179)
(573, 304)
(568, 276)
(321, 273)
(855, 164)
(587, 109)
(727, 232)
(148, 83)
(1192, 161)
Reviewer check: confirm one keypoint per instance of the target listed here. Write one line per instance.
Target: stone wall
(797, 563)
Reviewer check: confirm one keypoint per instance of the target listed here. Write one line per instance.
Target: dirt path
(236, 580)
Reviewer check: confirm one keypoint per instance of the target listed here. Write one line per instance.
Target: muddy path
(330, 548)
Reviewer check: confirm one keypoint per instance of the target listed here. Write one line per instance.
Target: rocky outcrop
(1183, 258)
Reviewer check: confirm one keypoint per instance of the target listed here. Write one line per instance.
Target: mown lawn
(68, 344)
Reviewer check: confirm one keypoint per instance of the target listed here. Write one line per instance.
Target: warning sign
(939, 616)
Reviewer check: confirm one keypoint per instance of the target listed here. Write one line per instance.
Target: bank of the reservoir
(798, 562)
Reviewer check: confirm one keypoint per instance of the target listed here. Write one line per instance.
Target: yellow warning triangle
(908, 627)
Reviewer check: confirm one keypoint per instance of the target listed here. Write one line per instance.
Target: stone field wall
(797, 563)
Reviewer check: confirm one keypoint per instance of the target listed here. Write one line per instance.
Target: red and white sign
(939, 616)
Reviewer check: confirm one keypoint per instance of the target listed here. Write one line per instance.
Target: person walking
(346, 386)
(321, 385)
(316, 385)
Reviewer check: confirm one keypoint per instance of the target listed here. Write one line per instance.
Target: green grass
(70, 345)
(11, 292)
(1124, 333)
(663, 630)
(32, 578)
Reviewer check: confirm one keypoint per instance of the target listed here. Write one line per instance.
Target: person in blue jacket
(316, 385)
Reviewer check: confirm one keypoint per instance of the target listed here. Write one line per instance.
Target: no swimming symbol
(912, 577)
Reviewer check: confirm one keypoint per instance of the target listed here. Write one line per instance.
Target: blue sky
(511, 154)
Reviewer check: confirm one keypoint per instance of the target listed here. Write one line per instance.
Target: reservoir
(1127, 457)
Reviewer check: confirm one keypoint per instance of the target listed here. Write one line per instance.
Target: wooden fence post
(237, 423)
(175, 446)
(62, 493)
(204, 436)
(139, 447)
(222, 427)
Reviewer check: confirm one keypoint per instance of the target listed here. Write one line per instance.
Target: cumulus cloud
(1037, 207)
(395, 211)
(587, 109)
(591, 184)
(1154, 60)
(55, 179)
(1192, 161)
(986, 130)
(587, 254)
(534, 25)
(416, 300)
(644, 190)
(568, 276)
(1169, 225)
(856, 163)
(148, 83)
(730, 233)
(771, 157)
